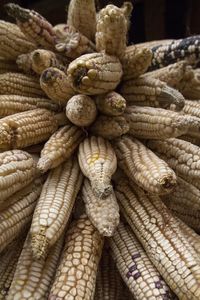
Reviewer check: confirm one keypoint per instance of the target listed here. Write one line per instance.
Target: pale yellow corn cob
(135, 267)
(54, 206)
(158, 123)
(98, 162)
(135, 61)
(143, 167)
(182, 156)
(82, 16)
(189, 85)
(110, 127)
(12, 104)
(81, 110)
(18, 214)
(104, 214)
(162, 239)
(59, 147)
(74, 44)
(55, 83)
(76, 274)
(26, 128)
(17, 169)
(32, 278)
(36, 28)
(20, 84)
(95, 73)
(111, 104)
(13, 42)
(192, 108)
(24, 63)
(146, 91)
(7, 66)
(111, 33)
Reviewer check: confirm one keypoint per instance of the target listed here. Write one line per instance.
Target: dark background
(151, 19)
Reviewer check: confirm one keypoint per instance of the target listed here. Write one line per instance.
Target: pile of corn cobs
(75, 103)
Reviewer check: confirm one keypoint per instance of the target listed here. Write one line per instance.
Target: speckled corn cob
(98, 162)
(95, 73)
(32, 278)
(7, 66)
(103, 213)
(76, 274)
(110, 127)
(59, 147)
(33, 25)
(13, 41)
(135, 267)
(180, 155)
(111, 104)
(135, 61)
(26, 128)
(158, 123)
(81, 110)
(160, 236)
(142, 166)
(146, 91)
(54, 206)
(55, 83)
(20, 84)
(84, 20)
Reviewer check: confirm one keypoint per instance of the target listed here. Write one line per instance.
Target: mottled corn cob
(59, 147)
(26, 128)
(158, 123)
(55, 83)
(13, 42)
(162, 239)
(54, 206)
(135, 267)
(146, 91)
(81, 110)
(95, 73)
(143, 167)
(36, 28)
(111, 104)
(98, 162)
(7, 66)
(76, 274)
(20, 84)
(82, 16)
(110, 127)
(32, 278)
(104, 214)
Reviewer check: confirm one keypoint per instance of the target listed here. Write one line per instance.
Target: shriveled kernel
(111, 104)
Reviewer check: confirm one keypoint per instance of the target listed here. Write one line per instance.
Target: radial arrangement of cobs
(100, 159)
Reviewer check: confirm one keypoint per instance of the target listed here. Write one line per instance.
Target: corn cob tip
(127, 8)
(17, 12)
(101, 189)
(44, 164)
(39, 245)
(168, 183)
(78, 75)
(48, 76)
(171, 97)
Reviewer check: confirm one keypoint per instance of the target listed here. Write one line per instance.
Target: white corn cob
(111, 104)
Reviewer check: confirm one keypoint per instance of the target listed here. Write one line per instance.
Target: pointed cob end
(168, 183)
(101, 189)
(39, 245)
(17, 12)
(44, 164)
(170, 97)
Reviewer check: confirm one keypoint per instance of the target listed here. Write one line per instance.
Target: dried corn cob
(158, 123)
(133, 263)
(189, 85)
(20, 84)
(142, 166)
(154, 43)
(33, 25)
(191, 139)
(55, 83)
(104, 214)
(146, 91)
(27, 128)
(32, 278)
(180, 155)
(13, 41)
(24, 63)
(95, 73)
(111, 104)
(76, 273)
(81, 110)
(84, 20)
(135, 61)
(54, 206)
(192, 108)
(7, 66)
(110, 127)
(98, 162)
(59, 147)
(162, 239)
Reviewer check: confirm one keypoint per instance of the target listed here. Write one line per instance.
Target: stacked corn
(76, 103)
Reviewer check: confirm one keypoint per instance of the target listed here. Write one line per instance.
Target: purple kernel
(137, 255)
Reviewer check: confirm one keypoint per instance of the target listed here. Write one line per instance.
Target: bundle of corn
(87, 134)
